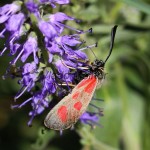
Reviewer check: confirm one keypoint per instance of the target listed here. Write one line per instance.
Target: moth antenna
(96, 44)
(113, 32)
(83, 42)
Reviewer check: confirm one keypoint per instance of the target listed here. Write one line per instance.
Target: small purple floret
(9, 9)
(39, 103)
(32, 6)
(63, 72)
(54, 2)
(29, 74)
(15, 22)
(49, 83)
(30, 47)
(47, 29)
(89, 118)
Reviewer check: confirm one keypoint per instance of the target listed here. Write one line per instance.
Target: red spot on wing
(75, 95)
(89, 88)
(78, 105)
(62, 113)
(83, 82)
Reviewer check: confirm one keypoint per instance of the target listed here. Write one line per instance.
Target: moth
(67, 112)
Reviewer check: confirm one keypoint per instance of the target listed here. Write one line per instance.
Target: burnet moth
(66, 113)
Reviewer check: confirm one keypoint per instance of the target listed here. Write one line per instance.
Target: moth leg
(99, 110)
(95, 106)
(97, 99)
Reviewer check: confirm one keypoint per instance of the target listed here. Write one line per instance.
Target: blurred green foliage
(126, 90)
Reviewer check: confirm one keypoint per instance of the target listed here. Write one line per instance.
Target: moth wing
(70, 108)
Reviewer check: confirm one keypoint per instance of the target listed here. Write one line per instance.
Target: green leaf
(139, 5)
(89, 14)
(90, 142)
(133, 78)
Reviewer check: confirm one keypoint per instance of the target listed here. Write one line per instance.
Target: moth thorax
(98, 63)
(99, 73)
(97, 68)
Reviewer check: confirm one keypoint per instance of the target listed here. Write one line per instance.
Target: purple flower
(11, 42)
(49, 83)
(7, 10)
(52, 2)
(64, 46)
(31, 46)
(67, 43)
(44, 1)
(68, 40)
(32, 6)
(14, 48)
(71, 63)
(15, 22)
(39, 103)
(60, 1)
(63, 72)
(81, 55)
(47, 29)
(14, 36)
(53, 49)
(57, 48)
(29, 77)
(29, 74)
(14, 26)
(54, 26)
(89, 118)
(57, 19)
